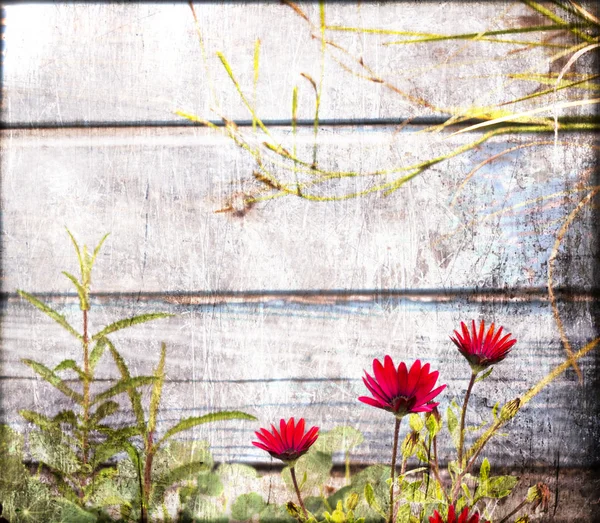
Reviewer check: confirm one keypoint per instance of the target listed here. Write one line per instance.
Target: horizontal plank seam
(346, 122)
(328, 296)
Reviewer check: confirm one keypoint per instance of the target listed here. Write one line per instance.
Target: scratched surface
(138, 63)
(281, 305)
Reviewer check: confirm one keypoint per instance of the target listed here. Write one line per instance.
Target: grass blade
(129, 322)
(49, 311)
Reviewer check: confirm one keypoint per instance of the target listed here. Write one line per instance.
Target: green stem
(293, 474)
(461, 441)
(394, 455)
(86, 388)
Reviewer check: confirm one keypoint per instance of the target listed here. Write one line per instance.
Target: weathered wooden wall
(280, 308)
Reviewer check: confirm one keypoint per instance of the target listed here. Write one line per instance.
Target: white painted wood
(279, 359)
(138, 62)
(157, 192)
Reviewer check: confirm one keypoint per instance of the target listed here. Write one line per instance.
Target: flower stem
(462, 419)
(86, 388)
(394, 454)
(293, 473)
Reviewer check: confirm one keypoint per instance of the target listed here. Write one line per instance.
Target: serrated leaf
(70, 365)
(403, 514)
(453, 427)
(13, 473)
(84, 304)
(246, 506)
(496, 487)
(49, 311)
(43, 422)
(129, 322)
(339, 439)
(54, 380)
(105, 409)
(124, 386)
(134, 395)
(97, 353)
(188, 423)
(484, 471)
(433, 425)
(159, 374)
(50, 448)
(97, 250)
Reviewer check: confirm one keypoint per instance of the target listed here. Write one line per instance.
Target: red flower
(462, 518)
(401, 391)
(289, 442)
(480, 351)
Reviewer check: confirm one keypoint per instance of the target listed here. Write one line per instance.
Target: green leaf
(13, 473)
(188, 423)
(78, 251)
(129, 322)
(340, 439)
(159, 374)
(372, 500)
(51, 448)
(124, 386)
(43, 422)
(70, 365)
(453, 426)
(314, 467)
(31, 503)
(84, 303)
(209, 484)
(246, 506)
(484, 471)
(134, 395)
(54, 380)
(97, 353)
(162, 483)
(416, 422)
(58, 318)
(97, 250)
(433, 425)
(484, 375)
(495, 410)
(72, 513)
(496, 487)
(104, 409)
(403, 514)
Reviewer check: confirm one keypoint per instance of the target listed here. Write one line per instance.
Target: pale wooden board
(278, 359)
(101, 62)
(156, 191)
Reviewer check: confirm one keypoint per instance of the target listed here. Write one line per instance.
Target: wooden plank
(277, 359)
(101, 62)
(157, 192)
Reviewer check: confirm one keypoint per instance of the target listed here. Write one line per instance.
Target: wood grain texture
(85, 63)
(156, 191)
(278, 359)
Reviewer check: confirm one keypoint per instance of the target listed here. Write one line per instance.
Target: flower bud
(294, 511)
(352, 501)
(509, 411)
(539, 495)
(410, 443)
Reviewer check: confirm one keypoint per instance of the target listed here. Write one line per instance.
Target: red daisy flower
(401, 391)
(482, 351)
(462, 518)
(289, 442)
